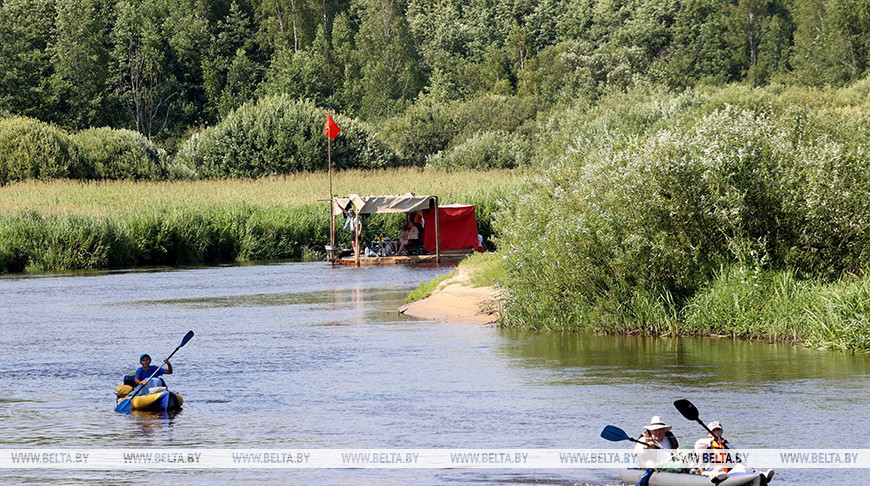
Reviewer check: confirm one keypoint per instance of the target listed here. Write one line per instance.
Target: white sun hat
(657, 423)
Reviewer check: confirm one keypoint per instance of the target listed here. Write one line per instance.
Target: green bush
(484, 151)
(30, 149)
(419, 132)
(634, 219)
(494, 112)
(120, 154)
(280, 135)
(426, 129)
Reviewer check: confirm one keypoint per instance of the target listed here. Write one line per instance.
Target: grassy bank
(67, 225)
(483, 270)
(741, 302)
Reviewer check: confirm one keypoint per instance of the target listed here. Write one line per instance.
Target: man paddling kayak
(656, 435)
(143, 373)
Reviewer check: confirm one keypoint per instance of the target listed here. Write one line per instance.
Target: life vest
(720, 457)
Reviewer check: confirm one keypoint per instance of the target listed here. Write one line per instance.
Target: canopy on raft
(405, 203)
(455, 225)
(458, 228)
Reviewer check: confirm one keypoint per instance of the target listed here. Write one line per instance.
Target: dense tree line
(165, 67)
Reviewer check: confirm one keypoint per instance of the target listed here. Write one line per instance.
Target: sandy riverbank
(455, 300)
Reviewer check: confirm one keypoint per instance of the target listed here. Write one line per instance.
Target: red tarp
(457, 227)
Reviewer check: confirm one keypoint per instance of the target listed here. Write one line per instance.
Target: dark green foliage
(233, 66)
(280, 135)
(634, 219)
(120, 154)
(295, 74)
(81, 62)
(484, 151)
(156, 50)
(831, 41)
(164, 67)
(30, 149)
(26, 37)
(424, 129)
(390, 67)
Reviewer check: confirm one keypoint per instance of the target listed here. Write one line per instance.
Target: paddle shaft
(644, 443)
(688, 410)
(140, 387)
(615, 434)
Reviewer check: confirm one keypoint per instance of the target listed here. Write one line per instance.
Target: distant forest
(167, 68)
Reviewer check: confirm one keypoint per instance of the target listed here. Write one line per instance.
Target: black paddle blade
(614, 434)
(686, 409)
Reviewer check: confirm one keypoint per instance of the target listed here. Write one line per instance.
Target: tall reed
(66, 225)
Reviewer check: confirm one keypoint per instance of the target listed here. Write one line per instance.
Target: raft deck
(447, 257)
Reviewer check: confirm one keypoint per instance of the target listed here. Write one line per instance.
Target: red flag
(330, 129)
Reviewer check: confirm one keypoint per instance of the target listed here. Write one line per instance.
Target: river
(304, 355)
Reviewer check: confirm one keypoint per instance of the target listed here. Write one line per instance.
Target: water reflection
(685, 361)
(254, 300)
(155, 427)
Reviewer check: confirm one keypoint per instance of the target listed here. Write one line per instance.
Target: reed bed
(112, 197)
(68, 225)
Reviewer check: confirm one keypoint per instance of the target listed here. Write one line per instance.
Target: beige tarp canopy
(404, 203)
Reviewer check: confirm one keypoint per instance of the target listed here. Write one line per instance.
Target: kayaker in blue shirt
(145, 372)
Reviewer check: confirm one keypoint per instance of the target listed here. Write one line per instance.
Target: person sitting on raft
(145, 372)
(409, 232)
(714, 440)
(657, 435)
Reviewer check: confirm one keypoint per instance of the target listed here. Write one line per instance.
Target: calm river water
(303, 355)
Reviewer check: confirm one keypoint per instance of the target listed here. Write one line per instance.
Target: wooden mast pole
(437, 234)
(331, 195)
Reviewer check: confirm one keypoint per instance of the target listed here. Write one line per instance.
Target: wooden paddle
(125, 404)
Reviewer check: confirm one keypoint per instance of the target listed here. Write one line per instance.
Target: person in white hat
(657, 435)
(714, 440)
